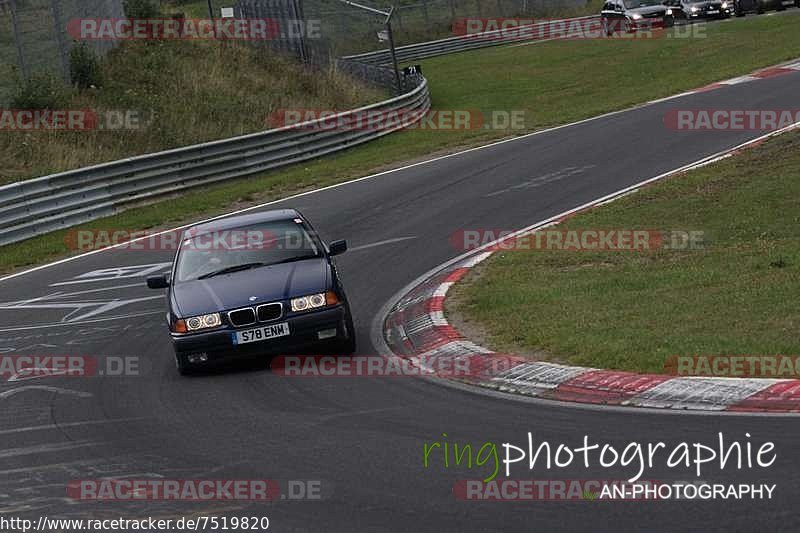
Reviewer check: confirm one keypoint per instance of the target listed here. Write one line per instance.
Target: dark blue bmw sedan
(256, 284)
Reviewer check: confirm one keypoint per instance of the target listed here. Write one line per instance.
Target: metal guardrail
(42, 205)
(540, 31)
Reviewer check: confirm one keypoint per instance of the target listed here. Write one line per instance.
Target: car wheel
(183, 365)
(347, 346)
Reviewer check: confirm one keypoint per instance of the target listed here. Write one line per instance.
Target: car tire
(183, 365)
(347, 346)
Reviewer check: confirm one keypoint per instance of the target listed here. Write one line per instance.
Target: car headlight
(636, 16)
(195, 323)
(314, 301)
(669, 12)
(695, 9)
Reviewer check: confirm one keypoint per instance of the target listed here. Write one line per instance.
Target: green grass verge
(551, 83)
(630, 310)
(182, 93)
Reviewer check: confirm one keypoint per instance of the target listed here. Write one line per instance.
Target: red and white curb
(417, 329)
(769, 72)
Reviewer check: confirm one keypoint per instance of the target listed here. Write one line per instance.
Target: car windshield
(633, 4)
(208, 254)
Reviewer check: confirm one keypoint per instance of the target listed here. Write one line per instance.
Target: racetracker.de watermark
(531, 29)
(197, 490)
(377, 366)
(166, 29)
(84, 240)
(80, 120)
(730, 119)
(592, 240)
(23, 367)
(734, 366)
(379, 120)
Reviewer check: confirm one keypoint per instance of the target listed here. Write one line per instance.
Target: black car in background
(254, 285)
(682, 11)
(630, 16)
(741, 7)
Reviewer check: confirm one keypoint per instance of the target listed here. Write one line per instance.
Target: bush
(84, 68)
(140, 9)
(41, 91)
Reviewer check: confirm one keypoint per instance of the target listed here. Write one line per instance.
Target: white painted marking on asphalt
(441, 290)
(100, 307)
(381, 243)
(64, 425)
(45, 448)
(713, 394)
(45, 388)
(740, 79)
(538, 181)
(115, 273)
(81, 323)
(482, 256)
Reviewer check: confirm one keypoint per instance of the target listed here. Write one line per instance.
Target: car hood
(648, 10)
(267, 284)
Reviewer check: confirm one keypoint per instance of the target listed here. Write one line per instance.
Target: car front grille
(242, 317)
(269, 312)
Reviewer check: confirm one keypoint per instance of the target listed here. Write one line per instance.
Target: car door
(613, 16)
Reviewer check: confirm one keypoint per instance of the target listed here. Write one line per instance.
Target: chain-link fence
(320, 31)
(350, 30)
(34, 36)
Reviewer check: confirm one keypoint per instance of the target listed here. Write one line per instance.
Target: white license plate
(260, 334)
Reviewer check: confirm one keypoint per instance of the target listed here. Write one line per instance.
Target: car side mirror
(157, 282)
(337, 247)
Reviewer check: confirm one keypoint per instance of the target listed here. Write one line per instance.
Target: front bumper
(304, 331)
(712, 13)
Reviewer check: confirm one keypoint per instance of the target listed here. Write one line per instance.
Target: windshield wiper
(296, 258)
(230, 269)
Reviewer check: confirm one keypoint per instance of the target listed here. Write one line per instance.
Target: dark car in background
(683, 11)
(253, 285)
(742, 7)
(630, 16)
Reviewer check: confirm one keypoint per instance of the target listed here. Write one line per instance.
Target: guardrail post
(23, 66)
(63, 50)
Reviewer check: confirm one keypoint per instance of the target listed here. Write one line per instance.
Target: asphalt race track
(363, 438)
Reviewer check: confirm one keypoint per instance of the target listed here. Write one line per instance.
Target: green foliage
(41, 91)
(84, 68)
(140, 9)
